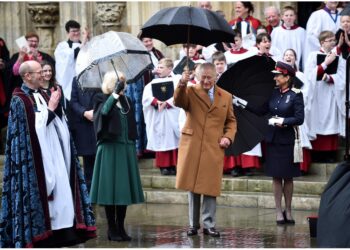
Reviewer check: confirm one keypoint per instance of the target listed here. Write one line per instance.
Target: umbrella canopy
(333, 213)
(250, 79)
(188, 24)
(112, 50)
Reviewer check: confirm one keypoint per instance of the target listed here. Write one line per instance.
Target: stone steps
(257, 184)
(254, 191)
(233, 199)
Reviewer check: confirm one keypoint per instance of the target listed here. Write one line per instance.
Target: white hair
(273, 8)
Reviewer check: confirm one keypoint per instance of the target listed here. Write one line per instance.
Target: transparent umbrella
(118, 51)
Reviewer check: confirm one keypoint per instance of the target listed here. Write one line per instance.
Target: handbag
(298, 150)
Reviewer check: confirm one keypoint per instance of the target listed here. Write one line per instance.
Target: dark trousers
(89, 161)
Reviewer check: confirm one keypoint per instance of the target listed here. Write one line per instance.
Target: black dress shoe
(192, 231)
(236, 172)
(165, 171)
(280, 222)
(248, 172)
(211, 231)
(291, 222)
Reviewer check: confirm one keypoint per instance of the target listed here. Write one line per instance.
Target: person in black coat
(82, 127)
(286, 109)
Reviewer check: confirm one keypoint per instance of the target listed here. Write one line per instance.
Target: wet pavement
(164, 226)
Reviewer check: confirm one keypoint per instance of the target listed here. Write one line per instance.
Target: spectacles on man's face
(330, 41)
(33, 41)
(36, 72)
(74, 31)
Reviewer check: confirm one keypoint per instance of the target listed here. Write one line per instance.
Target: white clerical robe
(305, 135)
(319, 21)
(54, 140)
(234, 56)
(162, 127)
(327, 114)
(283, 39)
(65, 66)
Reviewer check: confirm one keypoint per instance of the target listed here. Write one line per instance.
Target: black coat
(109, 126)
(290, 106)
(82, 129)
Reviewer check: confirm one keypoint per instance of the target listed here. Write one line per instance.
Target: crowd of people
(174, 113)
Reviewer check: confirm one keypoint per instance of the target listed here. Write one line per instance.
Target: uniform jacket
(290, 106)
(200, 158)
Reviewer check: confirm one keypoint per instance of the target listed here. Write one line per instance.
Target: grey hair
(274, 8)
(204, 66)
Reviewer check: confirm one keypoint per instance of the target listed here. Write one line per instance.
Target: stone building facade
(48, 18)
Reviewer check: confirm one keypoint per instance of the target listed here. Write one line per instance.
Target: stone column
(110, 14)
(45, 16)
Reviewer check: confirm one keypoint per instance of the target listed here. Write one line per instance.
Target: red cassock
(255, 23)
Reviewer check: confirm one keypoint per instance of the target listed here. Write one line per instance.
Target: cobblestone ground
(164, 226)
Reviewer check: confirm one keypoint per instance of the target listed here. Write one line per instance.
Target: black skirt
(280, 161)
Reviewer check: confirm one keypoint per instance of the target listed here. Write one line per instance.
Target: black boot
(113, 232)
(121, 212)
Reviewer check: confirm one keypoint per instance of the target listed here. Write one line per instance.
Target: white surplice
(54, 140)
(319, 21)
(162, 128)
(283, 39)
(65, 66)
(327, 108)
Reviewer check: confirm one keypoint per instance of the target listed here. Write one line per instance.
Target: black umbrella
(188, 24)
(250, 79)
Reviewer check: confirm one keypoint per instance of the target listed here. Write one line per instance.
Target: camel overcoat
(200, 158)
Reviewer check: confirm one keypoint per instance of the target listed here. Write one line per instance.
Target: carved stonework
(110, 13)
(44, 14)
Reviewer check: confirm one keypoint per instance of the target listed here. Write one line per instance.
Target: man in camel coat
(210, 128)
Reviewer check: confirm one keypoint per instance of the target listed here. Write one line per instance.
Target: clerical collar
(70, 43)
(290, 28)
(28, 90)
(332, 14)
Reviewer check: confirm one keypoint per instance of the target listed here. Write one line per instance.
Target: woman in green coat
(116, 180)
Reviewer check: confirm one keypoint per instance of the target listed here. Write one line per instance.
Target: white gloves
(239, 102)
(276, 120)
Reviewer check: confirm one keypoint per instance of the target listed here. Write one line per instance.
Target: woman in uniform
(286, 109)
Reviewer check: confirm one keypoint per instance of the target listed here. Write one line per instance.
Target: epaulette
(295, 90)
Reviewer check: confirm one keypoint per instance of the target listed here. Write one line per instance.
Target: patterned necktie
(211, 95)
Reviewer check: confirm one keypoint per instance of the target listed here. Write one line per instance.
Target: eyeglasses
(75, 31)
(33, 41)
(330, 41)
(37, 72)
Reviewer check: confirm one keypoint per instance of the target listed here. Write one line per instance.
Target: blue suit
(280, 140)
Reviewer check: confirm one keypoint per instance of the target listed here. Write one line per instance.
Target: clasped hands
(161, 105)
(276, 121)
